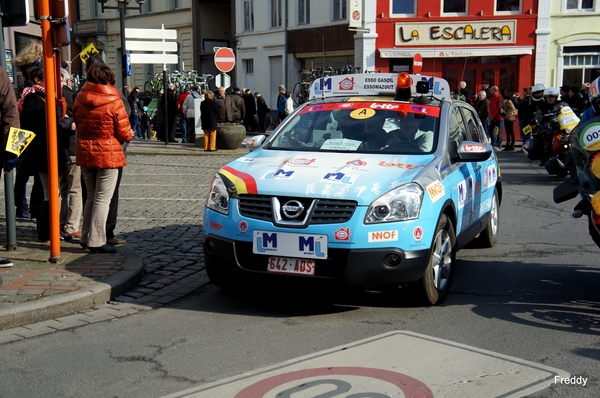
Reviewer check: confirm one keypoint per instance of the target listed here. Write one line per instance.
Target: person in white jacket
(188, 111)
(289, 103)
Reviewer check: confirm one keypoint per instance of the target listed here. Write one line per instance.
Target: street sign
(223, 80)
(417, 63)
(153, 41)
(224, 59)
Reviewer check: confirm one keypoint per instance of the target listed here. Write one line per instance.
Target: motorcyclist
(528, 106)
(548, 108)
(594, 109)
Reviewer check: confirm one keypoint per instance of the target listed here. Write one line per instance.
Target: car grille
(326, 211)
(332, 267)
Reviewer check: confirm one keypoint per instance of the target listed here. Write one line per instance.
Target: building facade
(460, 40)
(568, 46)
(277, 41)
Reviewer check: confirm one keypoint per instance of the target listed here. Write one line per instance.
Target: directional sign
(223, 80)
(153, 41)
(224, 59)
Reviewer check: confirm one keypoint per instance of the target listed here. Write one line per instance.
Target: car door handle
(478, 167)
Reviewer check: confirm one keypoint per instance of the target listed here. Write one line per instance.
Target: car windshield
(361, 126)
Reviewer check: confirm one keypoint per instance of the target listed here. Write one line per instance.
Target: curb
(67, 303)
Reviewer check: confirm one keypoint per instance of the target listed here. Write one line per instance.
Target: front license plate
(286, 244)
(286, 265)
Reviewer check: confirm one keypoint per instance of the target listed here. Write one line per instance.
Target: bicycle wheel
(298, 94)
(148, 89)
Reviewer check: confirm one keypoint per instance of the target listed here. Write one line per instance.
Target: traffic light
(59, 9)
(14, 12)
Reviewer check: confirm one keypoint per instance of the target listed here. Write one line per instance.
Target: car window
(361, 127)
(456, 131)
(472, 125)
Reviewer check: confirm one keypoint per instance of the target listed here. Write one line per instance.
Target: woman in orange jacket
(103, 125)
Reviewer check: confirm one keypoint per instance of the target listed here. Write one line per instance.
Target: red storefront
(460, 40)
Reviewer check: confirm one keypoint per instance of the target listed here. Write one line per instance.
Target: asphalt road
(534, 297)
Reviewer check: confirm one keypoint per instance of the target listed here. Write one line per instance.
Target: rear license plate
(287, 265)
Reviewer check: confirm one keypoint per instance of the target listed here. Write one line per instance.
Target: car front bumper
(348, 267)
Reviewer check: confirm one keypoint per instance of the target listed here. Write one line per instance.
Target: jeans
(183, 128)
(134, 119)
(496, 138)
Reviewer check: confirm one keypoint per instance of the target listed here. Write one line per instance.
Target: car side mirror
(253, 142)
(472, 151)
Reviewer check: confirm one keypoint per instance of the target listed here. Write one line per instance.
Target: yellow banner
(88, 52)
(18, 140)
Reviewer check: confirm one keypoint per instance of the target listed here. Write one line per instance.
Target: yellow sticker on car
(435, 190)
(362, 113)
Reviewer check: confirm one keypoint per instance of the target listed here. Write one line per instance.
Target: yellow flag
(18, 140)
(88, 52)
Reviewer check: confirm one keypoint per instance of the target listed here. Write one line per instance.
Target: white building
(313, 34)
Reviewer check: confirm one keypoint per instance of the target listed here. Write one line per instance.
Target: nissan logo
(292, 209)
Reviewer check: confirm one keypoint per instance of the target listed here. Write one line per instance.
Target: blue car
(377, 181)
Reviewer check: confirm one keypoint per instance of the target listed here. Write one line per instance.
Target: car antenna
(323, 70)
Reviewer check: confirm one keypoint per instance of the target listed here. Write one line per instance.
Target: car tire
(489, 236)
(435, 283)
(221, 276)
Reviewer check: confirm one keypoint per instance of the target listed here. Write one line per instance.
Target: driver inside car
(357, 129)
(409, 135)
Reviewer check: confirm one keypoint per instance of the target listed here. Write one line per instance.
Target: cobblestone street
(160, 215)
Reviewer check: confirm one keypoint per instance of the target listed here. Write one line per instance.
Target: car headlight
(399, 204)
(218, 195)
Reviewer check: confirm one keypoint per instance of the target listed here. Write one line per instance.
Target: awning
(451, 52)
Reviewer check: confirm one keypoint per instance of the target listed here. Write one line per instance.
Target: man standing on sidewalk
(9, 117)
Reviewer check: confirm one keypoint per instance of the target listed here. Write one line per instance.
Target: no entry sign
(417, 63)
(224, 59)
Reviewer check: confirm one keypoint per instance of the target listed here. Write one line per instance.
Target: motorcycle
(549, 139)
(585, 151)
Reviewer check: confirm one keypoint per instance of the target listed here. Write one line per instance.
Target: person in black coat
(209, 111)
(250, 115)
(33, 118)
(261, 110)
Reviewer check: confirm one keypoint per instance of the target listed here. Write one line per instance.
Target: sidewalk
(35, 290)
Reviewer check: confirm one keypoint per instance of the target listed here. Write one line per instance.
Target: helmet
(536, 89)
(552, 91)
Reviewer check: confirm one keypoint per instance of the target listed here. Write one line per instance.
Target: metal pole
(49, 68)
(123, 52)
(9, 193)
(165, 108)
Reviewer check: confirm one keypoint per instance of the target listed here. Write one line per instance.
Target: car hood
(350, 176)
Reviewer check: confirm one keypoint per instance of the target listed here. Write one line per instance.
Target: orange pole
(51, 133)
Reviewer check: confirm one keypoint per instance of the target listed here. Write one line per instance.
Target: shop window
(403, 7)
(339, 10)
(276, 14)
(449, 61)
(507, 79)
(508, 5)
(489, 60)
(580, 5)
(303, 12)
(455, 7)
(508, 60)
(249, 15)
